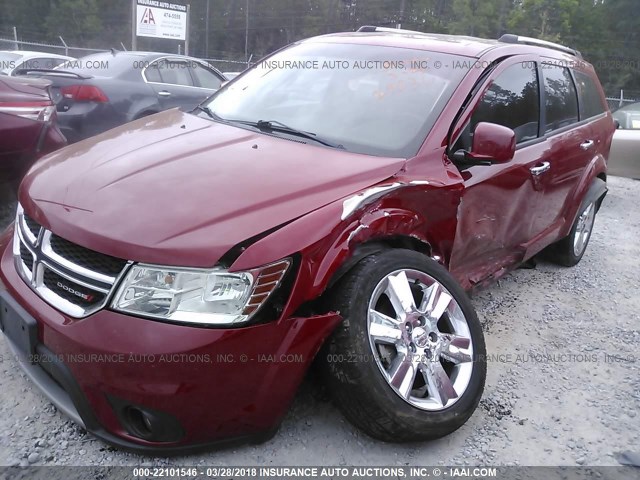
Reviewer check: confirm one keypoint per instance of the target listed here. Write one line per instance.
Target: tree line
(607, 32)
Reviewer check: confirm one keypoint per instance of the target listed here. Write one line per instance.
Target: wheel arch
(593, 182)
(376, 245)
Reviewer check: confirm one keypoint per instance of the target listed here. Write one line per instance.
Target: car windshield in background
(367, 99)
(8, 61)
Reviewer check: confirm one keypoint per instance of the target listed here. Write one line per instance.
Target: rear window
(103, 64)
(8, 61)
(561, 104)
(590, 100)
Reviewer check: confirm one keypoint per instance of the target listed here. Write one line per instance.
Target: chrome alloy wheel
(420, 339)
(583, 229)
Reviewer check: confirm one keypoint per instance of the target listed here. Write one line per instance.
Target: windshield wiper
(276, 126)
(270, 125)
(208, 111)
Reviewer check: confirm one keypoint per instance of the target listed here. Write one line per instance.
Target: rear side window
(205, 78)
(512, 100)
(175, 73)
(589, 95)
(561, 104)
(152, 73)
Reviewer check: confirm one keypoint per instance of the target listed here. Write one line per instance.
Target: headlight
(214, 297)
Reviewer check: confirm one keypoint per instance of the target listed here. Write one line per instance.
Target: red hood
(177, 189)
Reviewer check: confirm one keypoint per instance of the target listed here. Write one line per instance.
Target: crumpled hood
(177, 189)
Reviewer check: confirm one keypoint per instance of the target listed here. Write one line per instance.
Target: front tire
(408, 361)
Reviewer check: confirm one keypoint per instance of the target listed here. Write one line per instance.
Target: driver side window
(512, 100)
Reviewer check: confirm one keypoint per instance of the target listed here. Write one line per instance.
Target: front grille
(86, 258)
(73, 279)
(71, 291)
(26, 256)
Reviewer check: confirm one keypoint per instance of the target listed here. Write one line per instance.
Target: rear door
(571, 145)
(499, 201)
(172, 82)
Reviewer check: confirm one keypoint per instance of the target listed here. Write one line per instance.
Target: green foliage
(606, 31)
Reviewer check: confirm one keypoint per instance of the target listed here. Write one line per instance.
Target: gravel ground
(563, 385)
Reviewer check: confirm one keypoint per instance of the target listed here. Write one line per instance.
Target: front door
(495, 217)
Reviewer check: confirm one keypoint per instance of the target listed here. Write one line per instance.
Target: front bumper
(210, 385)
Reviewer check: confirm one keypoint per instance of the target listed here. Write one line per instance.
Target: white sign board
(160, 19)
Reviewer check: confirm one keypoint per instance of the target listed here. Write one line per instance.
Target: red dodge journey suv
(168, 283)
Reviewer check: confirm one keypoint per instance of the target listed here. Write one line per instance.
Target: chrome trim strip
(45, 258)
(183, 59)
(32, 239)
(74, 280)
(48, 250)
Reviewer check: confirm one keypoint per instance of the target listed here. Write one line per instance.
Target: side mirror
(492, 143)
(616, 123)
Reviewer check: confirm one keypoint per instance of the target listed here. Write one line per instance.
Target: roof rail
(511, 38)
(373, 28)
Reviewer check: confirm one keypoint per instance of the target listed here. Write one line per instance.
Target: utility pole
(134, 21)
(186, 42)
(66, 47)
(246, 31)
(206, 40)
(403, 4)
(15, 38)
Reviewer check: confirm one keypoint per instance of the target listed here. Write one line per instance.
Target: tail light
(84, 93)
(40, 111)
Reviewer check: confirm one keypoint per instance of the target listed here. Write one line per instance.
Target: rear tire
(385, 364)
(570, 250)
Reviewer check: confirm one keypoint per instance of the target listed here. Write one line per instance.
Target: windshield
(8, 61)
(367, 99)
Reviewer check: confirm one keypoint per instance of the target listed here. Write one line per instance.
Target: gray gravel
(553, 396)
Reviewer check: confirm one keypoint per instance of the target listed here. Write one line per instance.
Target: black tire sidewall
(355, 332)
(566, 251)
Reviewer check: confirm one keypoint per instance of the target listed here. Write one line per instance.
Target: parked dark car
(98, 92)
(13, 60)
(28, 126)
(176, 276)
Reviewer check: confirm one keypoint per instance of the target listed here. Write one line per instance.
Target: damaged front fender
(398, 214)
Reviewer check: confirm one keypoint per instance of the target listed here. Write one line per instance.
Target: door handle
(164, 93)
(586, 145)
(540, 169)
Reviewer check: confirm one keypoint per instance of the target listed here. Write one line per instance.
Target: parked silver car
(13, 60)
(624, 159)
